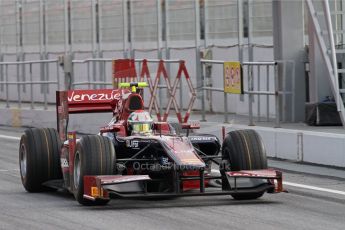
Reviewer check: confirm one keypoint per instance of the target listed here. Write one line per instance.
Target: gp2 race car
(134, 156)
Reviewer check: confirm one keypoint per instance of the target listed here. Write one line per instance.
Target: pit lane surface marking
(8, 170)
(314, 188)
(309, 187)
(9, 137)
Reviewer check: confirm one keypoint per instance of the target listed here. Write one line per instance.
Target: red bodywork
(121, 102)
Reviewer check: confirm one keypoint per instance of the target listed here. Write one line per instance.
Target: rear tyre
(94, 155)
(244, 150)
(39, 158)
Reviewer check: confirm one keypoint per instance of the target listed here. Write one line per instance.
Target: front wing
(135, 186)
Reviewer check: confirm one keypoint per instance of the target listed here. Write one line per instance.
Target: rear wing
(88, 101)
(83, 101)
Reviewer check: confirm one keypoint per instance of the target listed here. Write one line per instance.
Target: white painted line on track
(8, 170)
(9, 137)
(314, 188)
(310, 187)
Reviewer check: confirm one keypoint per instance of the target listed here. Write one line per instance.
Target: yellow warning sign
(233, 78)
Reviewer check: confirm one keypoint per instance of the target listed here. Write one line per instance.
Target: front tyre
(244, 150)
(94, 155)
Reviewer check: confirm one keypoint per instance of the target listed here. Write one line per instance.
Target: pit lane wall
(295, 145)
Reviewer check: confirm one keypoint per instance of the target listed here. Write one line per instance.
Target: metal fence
(27, 67)
(254, 74)
(91, 80)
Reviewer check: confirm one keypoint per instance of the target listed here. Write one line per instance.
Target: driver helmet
(140, 122)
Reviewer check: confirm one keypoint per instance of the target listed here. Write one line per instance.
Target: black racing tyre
(39, 158)
(94, 155)
(244, 150)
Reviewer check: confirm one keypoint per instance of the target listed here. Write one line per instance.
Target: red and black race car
(134, 156)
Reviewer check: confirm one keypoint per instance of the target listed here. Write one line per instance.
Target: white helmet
(140, 122)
